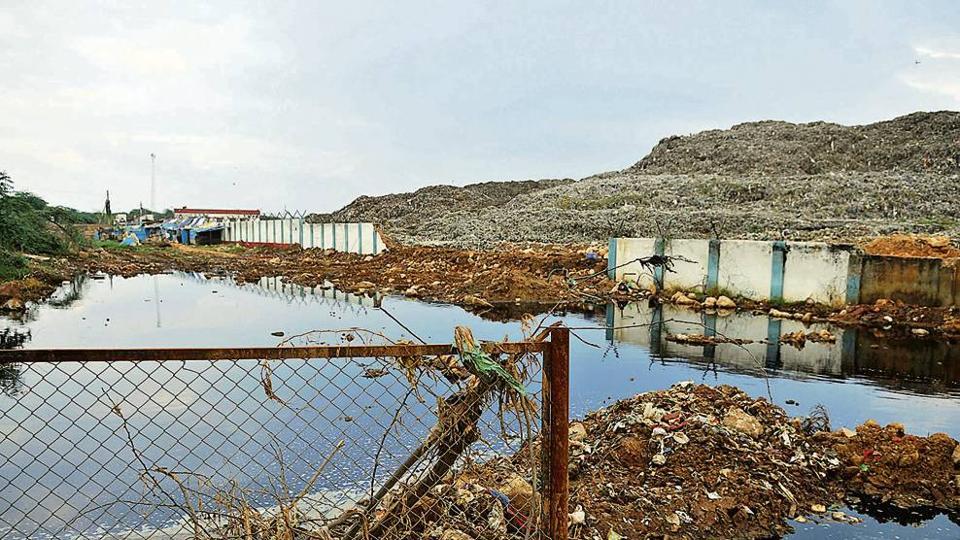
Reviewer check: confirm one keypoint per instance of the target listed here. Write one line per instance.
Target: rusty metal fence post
(556, 426)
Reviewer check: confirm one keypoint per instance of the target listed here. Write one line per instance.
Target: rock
(577, 431)
(745, 423)
(780, 314)
(818, 508)
(724, 302)
(807, 317)
(909, 457)
(847, 432)
(364, 285)
(519, 491)
(631, 451)
(412, 292)
(710, 302)
(454, 534)
(684, 300)
(368, 258)
(920, 332)
(475, 301)
(13, 304)
(578, 516)
(956, 457)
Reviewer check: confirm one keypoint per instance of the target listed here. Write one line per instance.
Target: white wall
(814, 270)
(745, 268)
(360, 238)
(633, 248)
(811, 269)
(687, 275)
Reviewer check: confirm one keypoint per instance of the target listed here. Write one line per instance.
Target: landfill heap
(759, 180)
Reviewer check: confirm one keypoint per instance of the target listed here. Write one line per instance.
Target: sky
(308, 105)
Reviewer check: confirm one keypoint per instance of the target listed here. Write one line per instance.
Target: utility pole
(153, 182)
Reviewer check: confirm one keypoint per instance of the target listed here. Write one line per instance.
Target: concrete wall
(360, 238)
(815, 270)
(691, 273)
(788, 271)
(745, 268)
(914, 280)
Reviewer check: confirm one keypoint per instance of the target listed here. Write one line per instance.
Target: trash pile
(696, 461)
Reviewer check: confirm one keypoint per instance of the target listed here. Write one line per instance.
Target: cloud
(938, 70)
(937, 53)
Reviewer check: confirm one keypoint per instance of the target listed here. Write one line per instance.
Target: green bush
(28, 224)
(12, 266)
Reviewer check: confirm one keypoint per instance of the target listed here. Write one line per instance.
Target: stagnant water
(67, 458)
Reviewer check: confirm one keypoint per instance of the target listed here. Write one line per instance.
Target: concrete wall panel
(745, 268)
(815, 270)
(687, 275)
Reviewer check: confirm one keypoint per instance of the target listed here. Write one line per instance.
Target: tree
(6, 185)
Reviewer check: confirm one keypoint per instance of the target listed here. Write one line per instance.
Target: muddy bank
(42, 280)
(477, 279)
(697, 461)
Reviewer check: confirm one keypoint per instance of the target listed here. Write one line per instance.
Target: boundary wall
(785, 271)
(361, 238)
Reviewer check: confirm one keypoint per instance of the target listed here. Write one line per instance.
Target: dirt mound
(901, 469)
(919, 142)
(696, 462)
(903, 245)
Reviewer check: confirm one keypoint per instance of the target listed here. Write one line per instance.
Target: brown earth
(906, 245)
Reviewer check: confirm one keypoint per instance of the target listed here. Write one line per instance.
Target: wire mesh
(384, 447)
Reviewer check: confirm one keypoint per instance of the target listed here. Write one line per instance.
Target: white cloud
(938, 70)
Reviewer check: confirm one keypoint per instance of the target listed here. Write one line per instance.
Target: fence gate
(327, 436)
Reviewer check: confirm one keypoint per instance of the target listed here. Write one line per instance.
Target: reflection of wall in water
(855, 352)
(821, 358)
(275, 287)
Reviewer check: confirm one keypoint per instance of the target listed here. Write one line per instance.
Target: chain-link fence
(307, 440)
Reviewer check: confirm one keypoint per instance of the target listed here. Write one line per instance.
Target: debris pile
(904, 470)
(476, 279)
(698, 462)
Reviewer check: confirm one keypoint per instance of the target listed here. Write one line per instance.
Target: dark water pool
(48, 462)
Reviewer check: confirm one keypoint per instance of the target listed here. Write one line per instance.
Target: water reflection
(11, 378)
(917, 366)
